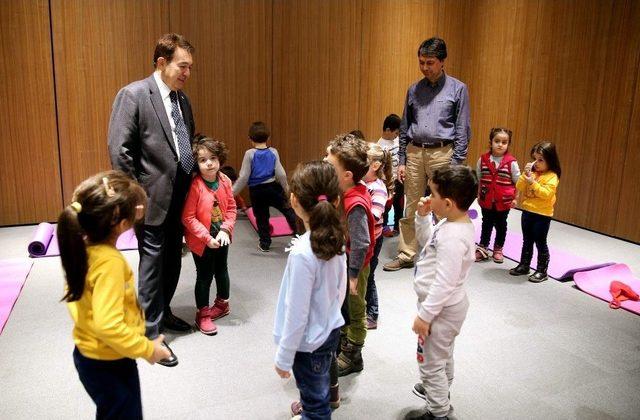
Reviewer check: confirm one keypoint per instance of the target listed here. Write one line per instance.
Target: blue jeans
(311, 371)
(113, 385)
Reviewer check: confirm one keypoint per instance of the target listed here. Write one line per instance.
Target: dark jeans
(113, 385)
(213, 262)
(311, 371)
(493, 218)
(160, 249)
(268, 195)
(535, 228)
(372, 292)
(398, 206)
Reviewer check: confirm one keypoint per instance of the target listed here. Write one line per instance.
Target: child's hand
(421, 327)
(424, 206)
(529, 177)
(223, 238)
(160, 351)
(402, 172)
(283, 373)
(213, 243)
(528, 168)
(353, 286)
(514, 203)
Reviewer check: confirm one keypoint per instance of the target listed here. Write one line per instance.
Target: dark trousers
(213, 262)
(372, 292)
(113, 385)
(311, 371)
(268, 195)
(492, 218)
(398, 206)
(160, 249)
(535, 228)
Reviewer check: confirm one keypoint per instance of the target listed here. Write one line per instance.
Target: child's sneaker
(263, 247)
(498, 256)
(220, 308)
(204, 322)
(372, 324)
(481, 253)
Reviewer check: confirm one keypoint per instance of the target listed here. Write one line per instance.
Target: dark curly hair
(216, 147)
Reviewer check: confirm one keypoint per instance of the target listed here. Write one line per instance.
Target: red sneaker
(204, 322)
(220, 308)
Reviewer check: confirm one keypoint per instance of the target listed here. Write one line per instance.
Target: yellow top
(109, 323)
(540, 196)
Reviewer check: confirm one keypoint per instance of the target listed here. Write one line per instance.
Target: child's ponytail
(377, 154)
(315, 186)
(72, 251)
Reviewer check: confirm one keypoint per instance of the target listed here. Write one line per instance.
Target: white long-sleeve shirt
(447, 253)
(309, 303)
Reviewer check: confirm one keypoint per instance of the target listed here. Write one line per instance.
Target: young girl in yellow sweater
(100, 294)
(537, 185)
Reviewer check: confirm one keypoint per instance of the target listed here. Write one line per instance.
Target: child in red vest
(498, 173)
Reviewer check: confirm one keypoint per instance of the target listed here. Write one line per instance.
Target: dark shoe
(397, 264)
(418, 390)
(541, 269)
(372, 324)
(172, 322)
(334, 396)
(426, 416)
(263, 247)
(172, 360)
(523, 267)
(350, 359)
(538, 277)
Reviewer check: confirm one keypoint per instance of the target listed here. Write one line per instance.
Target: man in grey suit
(150, 134)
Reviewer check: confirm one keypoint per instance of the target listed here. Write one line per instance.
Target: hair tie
(107, 189)
(77, 207)
(322, 197)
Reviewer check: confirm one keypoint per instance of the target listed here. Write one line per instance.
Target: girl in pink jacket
(208, 217)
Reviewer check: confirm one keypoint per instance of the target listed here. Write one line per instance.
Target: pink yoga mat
(13, 273)
(278, 225)
(45, 241)
(562, 264)
(597, 282)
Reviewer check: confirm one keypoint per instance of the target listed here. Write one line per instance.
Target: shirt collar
(164, 89)
(439, 82)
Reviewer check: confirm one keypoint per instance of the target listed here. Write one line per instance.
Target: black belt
(432, 145)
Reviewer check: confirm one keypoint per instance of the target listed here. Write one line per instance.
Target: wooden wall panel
(316, 75)
(29, 162)
(230, 86)
(99, 47)
(392, 33)
(584, 72)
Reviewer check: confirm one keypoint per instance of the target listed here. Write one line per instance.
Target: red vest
(496, 186)
(359, 196)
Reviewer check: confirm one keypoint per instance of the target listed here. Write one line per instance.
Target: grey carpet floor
(526, 351)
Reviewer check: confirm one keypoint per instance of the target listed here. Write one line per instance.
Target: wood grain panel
(230, 86)
(584, 71)
(316, 75)
(30, 190)
(392, 33)
(99, 47)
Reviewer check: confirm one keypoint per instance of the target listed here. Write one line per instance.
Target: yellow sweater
(109, 323)
(540, 196)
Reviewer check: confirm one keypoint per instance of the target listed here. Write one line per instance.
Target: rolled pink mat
(41, 240)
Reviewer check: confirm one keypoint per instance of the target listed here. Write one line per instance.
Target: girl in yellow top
(100, 294)
(537, 185)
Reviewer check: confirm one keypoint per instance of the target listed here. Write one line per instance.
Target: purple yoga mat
(13, 273)
(597, 282)
(278, 225)
(562, 264)
(45, 241)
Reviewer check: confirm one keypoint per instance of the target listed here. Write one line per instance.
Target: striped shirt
(378, 191)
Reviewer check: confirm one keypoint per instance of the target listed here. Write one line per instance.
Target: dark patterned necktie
(184, 143)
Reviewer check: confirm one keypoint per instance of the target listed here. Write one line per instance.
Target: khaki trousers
(420, 165)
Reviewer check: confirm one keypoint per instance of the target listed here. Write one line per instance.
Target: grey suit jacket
(141, 143)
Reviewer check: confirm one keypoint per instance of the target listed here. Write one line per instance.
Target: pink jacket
(196, 215)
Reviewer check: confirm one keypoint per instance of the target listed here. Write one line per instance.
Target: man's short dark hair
(392, 122)
(433, 47)
(458, 183)
(259, 132)
(167, 45)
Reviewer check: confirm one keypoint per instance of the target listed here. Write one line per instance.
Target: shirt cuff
(284, 358)
(425, 316)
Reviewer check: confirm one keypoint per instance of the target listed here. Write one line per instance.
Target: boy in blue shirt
(262, 171)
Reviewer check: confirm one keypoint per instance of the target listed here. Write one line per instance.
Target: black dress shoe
(172, 322)
(172, 360)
